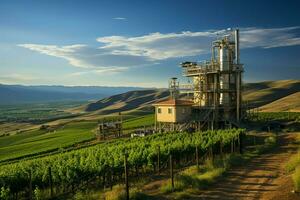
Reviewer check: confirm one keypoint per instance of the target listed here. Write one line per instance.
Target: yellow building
(173, 110)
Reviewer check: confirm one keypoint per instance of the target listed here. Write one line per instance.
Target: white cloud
(119, 53)
(158, 46)
(120, 18)
(269, 38)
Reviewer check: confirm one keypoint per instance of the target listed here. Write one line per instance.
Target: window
(159, 110)
(170, 110)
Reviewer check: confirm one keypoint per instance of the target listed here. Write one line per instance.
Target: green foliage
(271, 140)
(296, 179)
(4, 193)
(83, 164)
(167, 188)
(270, 116)
(293, 162)
(37, 193)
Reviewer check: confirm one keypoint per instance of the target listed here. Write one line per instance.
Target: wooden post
(212, 152)
(197, 157)
(121, 125)
(50, 182)
(241, 143)
(158, 160)
(30, 184)
(221, 148)
(103, 180)
(171, 172)
(126, 176)
(111, 178)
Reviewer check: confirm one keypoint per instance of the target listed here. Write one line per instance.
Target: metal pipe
(237, 46)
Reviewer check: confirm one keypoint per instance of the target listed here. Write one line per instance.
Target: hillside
(262, 93)
(257, 94)
(289, 103)
(127, 101)
(18, 94)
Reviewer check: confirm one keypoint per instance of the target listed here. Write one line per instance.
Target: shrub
(4, 194)
(271, 140)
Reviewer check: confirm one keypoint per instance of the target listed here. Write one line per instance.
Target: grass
(36, 141)
(293, 162)
(201, 178)
(293, 166)
(212, 171)
(296, 179)
(118, 193)
(135, 122)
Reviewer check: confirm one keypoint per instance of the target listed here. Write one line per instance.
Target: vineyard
(107, 160)
(269, 116)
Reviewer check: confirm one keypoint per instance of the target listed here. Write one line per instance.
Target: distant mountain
(12, 94)
(257, 94)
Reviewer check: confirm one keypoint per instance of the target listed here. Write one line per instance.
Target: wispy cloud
(16, 77)
(120, 18)
(100, 71)
(119, 53)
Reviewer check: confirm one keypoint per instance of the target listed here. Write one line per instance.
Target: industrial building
(212, 98)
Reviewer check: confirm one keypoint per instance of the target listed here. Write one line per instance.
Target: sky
(141, 43)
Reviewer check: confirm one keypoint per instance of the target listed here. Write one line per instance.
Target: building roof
(174, 102)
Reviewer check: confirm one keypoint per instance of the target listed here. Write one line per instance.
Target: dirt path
(263, 178)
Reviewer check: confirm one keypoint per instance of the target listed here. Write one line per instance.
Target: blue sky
(140, 43)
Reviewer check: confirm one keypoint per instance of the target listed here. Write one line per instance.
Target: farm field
(36, 141)
(81, 165)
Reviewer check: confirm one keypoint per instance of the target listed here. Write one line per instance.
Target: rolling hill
(289, 103)
(257, 94)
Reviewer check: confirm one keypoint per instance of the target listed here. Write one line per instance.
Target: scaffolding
(216, 85)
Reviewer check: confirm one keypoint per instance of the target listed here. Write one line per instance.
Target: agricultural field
(36, 113)
(107, 159)
(37, 141)
(57, 137)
